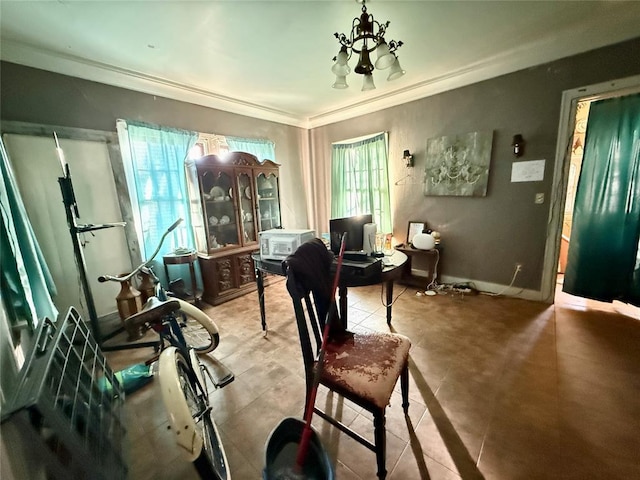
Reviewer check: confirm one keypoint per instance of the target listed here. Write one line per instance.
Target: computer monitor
(353, 226)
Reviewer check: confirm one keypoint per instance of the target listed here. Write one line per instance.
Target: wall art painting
(458, 165)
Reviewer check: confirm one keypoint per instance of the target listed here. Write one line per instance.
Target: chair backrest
(307, 320)
(308, 273)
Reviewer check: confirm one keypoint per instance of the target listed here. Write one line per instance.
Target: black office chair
(362, 367)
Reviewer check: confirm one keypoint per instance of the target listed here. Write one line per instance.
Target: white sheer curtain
(360, 180)
(154, 160)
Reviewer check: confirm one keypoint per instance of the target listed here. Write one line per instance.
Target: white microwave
(279, 243)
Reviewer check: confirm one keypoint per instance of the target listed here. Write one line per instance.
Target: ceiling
(272, 59)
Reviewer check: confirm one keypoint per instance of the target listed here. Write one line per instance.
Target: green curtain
(360, 180)
(603, 260)
(25, 282)
(263, 149)
(159, 187)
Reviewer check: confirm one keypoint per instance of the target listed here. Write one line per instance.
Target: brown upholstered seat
(366, 365)
(362, 367)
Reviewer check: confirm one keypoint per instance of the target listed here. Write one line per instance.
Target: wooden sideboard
(239, 197)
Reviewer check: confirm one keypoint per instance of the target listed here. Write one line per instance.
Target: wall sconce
(408, 159)
(518, 145)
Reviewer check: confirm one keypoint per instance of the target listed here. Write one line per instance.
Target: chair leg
(404, 386)
(380, 436)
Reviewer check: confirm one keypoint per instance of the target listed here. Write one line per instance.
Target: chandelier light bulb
(341, 82)
(384, 58)
(367, 83)
(396, 70)
(341, 67)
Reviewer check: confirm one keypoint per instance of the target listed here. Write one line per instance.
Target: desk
(349, 277)
(190, 258)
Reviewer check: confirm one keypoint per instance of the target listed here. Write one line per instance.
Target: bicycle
(183, 376)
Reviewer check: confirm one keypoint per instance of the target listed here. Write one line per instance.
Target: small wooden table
(351, 276)
(186, 258)
(428, 258)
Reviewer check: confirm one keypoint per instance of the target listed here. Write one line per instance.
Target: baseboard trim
(488, 287)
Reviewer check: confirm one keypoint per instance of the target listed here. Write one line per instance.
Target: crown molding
(71, 65)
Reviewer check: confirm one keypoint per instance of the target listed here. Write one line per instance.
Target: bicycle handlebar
(111, 278)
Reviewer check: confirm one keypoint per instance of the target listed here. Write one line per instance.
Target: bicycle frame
(174, 337)
(169, 327)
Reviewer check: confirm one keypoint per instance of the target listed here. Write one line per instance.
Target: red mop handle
(306, 433)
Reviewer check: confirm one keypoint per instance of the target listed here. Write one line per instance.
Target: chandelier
(363, 41)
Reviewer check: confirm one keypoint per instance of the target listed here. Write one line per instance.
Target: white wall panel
(37, 169)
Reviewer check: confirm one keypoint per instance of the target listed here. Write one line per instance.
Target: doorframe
(558, 197)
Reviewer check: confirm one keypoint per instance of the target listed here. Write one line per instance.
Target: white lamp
(423, 241)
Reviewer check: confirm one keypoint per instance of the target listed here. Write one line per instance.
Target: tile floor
(500, 388)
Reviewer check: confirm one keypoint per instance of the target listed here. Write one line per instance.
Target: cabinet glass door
(219, 210)
(268, 200)
(245, 202)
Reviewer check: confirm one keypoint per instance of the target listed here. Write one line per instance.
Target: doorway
(575, 164)
(574, 108)
(574, 134)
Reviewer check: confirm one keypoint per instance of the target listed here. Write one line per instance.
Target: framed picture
(415, 228)
(458, 164)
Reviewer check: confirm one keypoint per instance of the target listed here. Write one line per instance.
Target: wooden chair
(362, 367)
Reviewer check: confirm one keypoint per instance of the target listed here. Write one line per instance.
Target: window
(208, 144)
(154, 160)
(162, 180)
(360, 180)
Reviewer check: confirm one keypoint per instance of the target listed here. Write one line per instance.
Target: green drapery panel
(157, 155)
(263, 149)
(360, 180)
(603, 260)
(26, 283)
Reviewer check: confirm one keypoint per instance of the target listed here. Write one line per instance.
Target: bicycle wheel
(212, 462)
(199, 330)
(190, 416)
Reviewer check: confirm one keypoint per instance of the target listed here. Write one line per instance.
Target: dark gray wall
(41, 97)
(483, 237)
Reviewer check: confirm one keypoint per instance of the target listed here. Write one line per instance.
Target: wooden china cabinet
(240, 197)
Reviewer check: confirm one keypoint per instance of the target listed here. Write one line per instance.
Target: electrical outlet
(518, 267)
